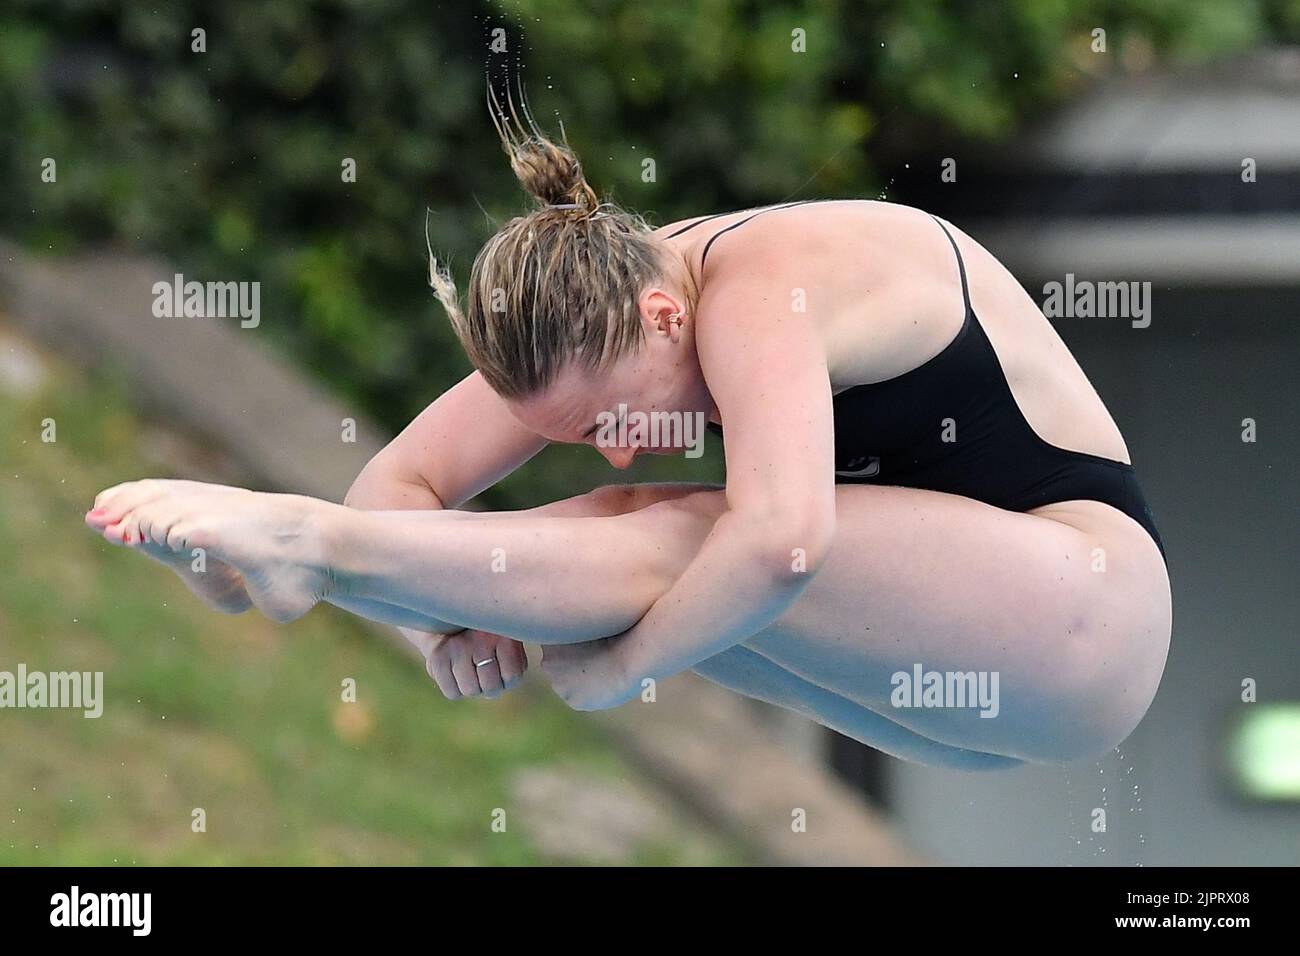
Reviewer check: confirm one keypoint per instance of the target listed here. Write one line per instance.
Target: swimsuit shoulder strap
(690, 226)
(721, 232)
(961, 266)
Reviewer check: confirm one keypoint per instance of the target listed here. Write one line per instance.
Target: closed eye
(592, 430)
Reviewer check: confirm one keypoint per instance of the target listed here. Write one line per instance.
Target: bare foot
(271, 540)
(212, 581)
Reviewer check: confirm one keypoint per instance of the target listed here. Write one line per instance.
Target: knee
(687, 519)
(703, 501)
(676, 531)
(704, 505)
(611, 500)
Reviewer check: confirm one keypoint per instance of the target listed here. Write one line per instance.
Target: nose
(620, 458)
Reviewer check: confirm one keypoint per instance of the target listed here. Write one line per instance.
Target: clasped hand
(590, 675)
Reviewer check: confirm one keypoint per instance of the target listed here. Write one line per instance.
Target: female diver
(919, 478)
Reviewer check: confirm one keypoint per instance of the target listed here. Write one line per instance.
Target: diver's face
(654, 402)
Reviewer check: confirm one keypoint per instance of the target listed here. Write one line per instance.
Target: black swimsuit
(953, 425)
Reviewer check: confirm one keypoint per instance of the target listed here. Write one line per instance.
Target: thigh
(940, 584)
(749, 673)
(617, 499)
(927, 584)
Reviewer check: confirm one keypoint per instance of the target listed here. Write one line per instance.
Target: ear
(662, 314)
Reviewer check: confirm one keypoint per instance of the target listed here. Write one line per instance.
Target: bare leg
(749, 673)
(558, 579)
(932, 580)
(741, 670)
(555, 579)
(915, 578)
(604, 502)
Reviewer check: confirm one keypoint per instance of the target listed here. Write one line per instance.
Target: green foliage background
(227, 162)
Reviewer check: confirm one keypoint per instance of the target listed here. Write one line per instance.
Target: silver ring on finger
(490, 660)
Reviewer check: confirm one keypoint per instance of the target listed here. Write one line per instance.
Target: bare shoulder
(751, 286)
(874, 282)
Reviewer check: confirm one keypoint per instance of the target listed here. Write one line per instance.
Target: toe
(120, 500)
(114, 533)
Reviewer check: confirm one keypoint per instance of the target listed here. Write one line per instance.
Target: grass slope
(245, 719)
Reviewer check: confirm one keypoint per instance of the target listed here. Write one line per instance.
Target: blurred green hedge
(228, 162)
